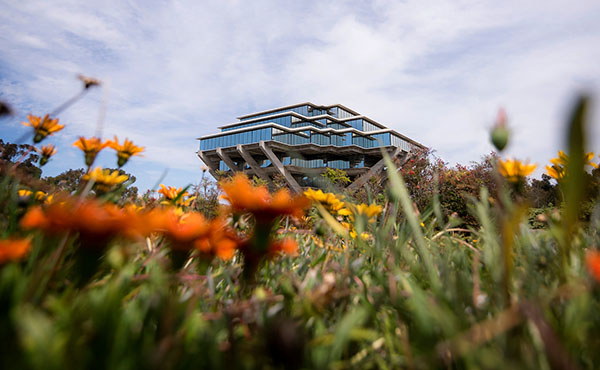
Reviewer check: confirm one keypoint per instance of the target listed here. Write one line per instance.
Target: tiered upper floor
(307, 123)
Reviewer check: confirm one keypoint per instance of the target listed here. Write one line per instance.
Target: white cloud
(436, 71)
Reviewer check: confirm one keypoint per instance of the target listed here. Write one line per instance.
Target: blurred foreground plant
(87, 281)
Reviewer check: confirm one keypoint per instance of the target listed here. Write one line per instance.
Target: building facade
(299, 142)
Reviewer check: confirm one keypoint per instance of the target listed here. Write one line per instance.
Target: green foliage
(24, 155)
(256, 181)
(207, 198)
(70, 181)
(503, 290)
(542, 193)
(454, 186)
(336, 177)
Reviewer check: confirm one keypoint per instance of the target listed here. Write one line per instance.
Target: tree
(207, 198)
(68, 181)
(542, 193)
(26, 156)
(335, 178)
(456, 185)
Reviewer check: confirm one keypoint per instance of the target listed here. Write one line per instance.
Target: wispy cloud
(435, 71)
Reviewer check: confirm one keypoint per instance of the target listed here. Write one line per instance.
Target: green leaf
(575, 180)
(332, 222)
(399, 192)
(344, 330)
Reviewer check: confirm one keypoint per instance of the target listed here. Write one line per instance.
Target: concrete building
(301, 141)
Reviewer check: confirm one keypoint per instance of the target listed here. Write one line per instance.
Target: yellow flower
(24, 193)
(588, 159)
(47, 151)
(318, 242)
(345, 212)
(514, 170)
(170, 193)
(558, 169)
(330, 201)
(563, 159)
(125, 151)
(90, 147)
(40, 196)
(556, 172)
(370, 211)
(363, 235)
(105, 179)
(42, 127)
(314, 195)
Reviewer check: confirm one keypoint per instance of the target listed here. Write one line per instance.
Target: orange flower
(47, 151)
(90, 147)
(13, 249)
(96, 223)
(182, 231)
(253, 255)
(88, 81)
(171, 194)
(244, 197)
(125, 151)
(592, 260)
(220, 241)
(42, 127)
(286, 246)
(54, 220)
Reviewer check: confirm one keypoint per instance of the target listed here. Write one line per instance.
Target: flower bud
(90, 158)
(38, 137)
(122, 160)
(500, 133)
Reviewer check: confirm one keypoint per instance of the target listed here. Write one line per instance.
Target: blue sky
(436, 71)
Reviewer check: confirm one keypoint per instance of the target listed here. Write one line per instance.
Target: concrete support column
(225, 158)
(212, 168)
(279, 166)
(373, 171)
(405, 158)
(253, 165)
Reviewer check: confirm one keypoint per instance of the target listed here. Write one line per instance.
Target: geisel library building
(301, 141)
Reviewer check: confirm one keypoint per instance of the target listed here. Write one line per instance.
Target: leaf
(344, 330)
(574, 183)
(399, 192)
(332, 222)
